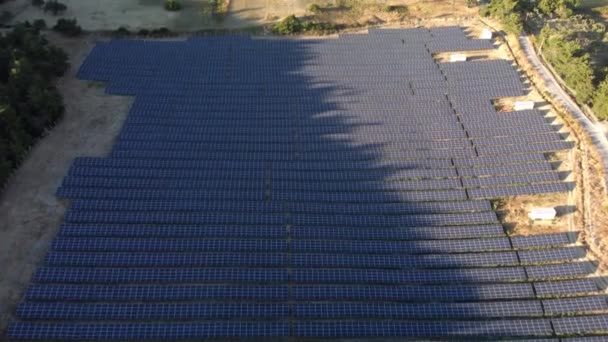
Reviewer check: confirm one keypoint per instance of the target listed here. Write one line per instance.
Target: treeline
(29, 101)
(513, 13)
(575, 45)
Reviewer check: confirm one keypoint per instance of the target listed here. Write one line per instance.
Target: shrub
(402, 10)
(38, 3)
(39, 24)
(172, 5)
(314, 8)
(288, 26)
(68, 27)
(160, 32)
(143, 32)
(122, 31)
(54, 7)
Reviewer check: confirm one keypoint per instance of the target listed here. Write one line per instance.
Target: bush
(172, 5)
(143, 32)
(314, 8)
(288, 26)
(38, 3)
(160, 32)
(54, 7)
(68, 27)
(293, 25)
(600, 101)
(122, 31)
(39, 24)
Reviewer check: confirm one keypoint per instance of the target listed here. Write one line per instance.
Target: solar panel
(508, 328)
(129, 331)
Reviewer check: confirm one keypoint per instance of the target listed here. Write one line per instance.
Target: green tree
(600, 100)
(569, 60)
(508, 12)
(560, 8)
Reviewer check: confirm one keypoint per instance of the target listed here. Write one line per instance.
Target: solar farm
(311, 188)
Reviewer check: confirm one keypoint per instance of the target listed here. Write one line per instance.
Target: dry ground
(108, 15)
(29, 211)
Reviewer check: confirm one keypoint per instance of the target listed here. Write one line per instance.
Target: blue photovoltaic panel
(150, 331)
(421, 293)
(156, 293)
(182, 311)
(425, 329)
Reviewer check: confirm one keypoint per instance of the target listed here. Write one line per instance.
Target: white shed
(486, 34)
(542, 214)
(458, 57)
(524, 105)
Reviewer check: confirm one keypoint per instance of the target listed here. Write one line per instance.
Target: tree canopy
(29, 102)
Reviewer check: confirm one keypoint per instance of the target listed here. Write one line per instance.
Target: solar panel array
(310, 188)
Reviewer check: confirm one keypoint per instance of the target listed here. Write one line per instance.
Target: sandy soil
(29, 211)
(107, 15)
(104, 15)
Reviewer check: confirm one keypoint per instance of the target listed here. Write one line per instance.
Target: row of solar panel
(348, 154)
(504, 145)
(259, 207)
(286, 138)
(456, 292)
(345, 184)
(162, 147)
(336, 122)
(258, 172)
(300, 168)
(345, 123)
(306, 276)
(215, 330)
(387, 196)
(265, 165)
(425, 261)
(348, 197)
(247, 244)
(311, 136)
(280, 232)
(260, 218)
(322, 310)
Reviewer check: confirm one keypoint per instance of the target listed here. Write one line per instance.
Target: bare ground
(30, 213)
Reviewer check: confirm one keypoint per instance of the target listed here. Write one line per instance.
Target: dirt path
(30, 213)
